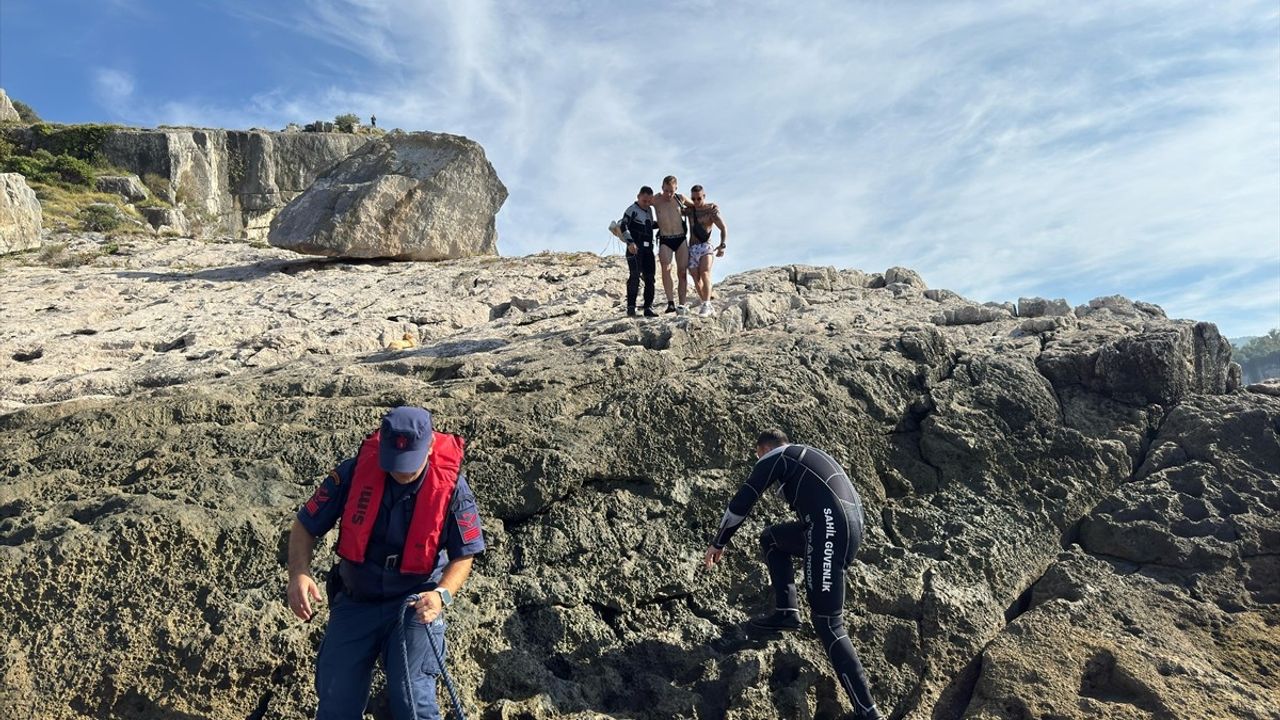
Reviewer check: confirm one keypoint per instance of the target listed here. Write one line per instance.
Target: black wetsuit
(638, 226)
(826, 538)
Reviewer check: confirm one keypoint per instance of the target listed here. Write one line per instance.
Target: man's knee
(767, 541)
(829, 628)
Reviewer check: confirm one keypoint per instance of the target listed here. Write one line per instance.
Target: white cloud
(1000, 148)
(113, 89)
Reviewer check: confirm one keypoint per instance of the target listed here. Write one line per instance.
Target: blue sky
(1000, 148)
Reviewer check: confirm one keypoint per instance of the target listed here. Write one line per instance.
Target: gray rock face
(418, 196)
(229, 182)
(1172, 591)
(8, 113)
(128, 187)
(20, 214)
(164, 219)
(1034, 307)
(972, 315)
(905, 276)
(602, 451)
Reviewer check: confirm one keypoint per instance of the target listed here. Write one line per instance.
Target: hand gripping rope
(444, 672)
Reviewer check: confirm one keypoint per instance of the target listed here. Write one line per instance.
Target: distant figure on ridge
(410, 528)
(702, 215)
(825, 539)
(373, 121)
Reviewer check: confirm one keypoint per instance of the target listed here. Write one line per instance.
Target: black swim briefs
(672, 241)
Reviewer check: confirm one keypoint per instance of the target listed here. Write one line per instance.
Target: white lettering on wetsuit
(828, 549)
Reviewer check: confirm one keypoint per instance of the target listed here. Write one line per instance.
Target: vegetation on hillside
(1260, 357)
(62, 163)
(25, 112)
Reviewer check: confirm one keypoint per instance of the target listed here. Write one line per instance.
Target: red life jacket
(429, 508)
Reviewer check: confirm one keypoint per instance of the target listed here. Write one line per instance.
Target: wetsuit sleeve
(321, 512)
(761, 478)
(464, 535)
(625, 224)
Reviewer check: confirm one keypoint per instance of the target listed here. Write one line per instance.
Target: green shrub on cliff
(44, 166)
(72, 171)
(347, 122)
(83, 142)
(101, 217)
(25, 112)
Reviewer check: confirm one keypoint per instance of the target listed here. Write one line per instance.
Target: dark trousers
(826, 542)
(640, 265)
(358, 635)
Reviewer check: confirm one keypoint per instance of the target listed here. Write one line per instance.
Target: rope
(435, 649)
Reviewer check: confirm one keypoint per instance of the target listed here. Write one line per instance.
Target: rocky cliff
(230, 182)
(1072, 512)
(224, 182)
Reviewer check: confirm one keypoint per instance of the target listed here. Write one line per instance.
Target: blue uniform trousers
(359, 633)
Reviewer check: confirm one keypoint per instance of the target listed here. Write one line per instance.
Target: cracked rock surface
(1076, 520)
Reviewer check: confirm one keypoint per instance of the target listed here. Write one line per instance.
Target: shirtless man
(702, 215)
(671, 241)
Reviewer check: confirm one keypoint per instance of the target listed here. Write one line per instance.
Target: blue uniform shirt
(370, 580)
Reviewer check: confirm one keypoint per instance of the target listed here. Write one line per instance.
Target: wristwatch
(446, 597)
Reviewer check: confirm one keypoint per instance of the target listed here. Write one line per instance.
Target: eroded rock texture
(1066, 523)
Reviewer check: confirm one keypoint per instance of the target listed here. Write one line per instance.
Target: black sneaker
(872, 714)
(777, 621)
(648, 312)
(671, 307)
(631, 312)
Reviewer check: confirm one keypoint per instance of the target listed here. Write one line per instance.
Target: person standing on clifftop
(410, 527)
(637, 228)
(825, 539)
(671, 241)
(702, 216)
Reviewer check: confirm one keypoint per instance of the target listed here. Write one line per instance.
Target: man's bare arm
(455, 575)
(302, 587)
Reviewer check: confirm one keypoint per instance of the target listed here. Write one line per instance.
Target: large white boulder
(8, 113)
(20, 214)
(407, 196)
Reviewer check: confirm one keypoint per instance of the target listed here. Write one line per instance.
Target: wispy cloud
(1000, 148)
(113, 90)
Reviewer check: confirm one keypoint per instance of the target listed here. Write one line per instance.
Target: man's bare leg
(696, 274)
(682, 269)
(664, 256)
(704, 278)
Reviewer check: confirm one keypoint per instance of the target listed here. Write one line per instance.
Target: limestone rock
(905, 276)
(164, 219)
(972, 315)
(419, 196)
(228, 182)
(1034, 307)
(1167, 606)
(1049, 323)
(1266, 387)
(8, 113)
(602, 450)
(20, 214)
(128, 187)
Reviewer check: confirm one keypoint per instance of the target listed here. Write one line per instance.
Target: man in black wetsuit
(826, 538)
(637, 232)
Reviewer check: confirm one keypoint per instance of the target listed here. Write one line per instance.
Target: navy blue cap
(405, 439)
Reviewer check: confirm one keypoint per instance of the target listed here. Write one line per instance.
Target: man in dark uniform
(637, 226)
(825, 539)
(410, 526)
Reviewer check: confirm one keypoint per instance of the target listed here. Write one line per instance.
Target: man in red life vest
(409, 526)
